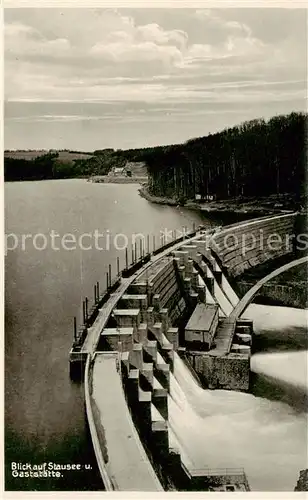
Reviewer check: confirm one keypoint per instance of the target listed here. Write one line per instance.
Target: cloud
(202, 59)
(25, 41)
(153, 32)
(218, 29)
(115, 45)
(144, 44)
(226, 39)
(144, 52)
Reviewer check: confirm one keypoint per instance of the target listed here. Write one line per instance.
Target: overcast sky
(94, 78)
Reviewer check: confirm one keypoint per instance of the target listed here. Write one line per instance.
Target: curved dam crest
(220, 422)
(52, 425)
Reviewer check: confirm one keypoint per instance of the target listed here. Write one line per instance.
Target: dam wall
(230, 372)
(251, 243)
(147, 324)
(288, 295)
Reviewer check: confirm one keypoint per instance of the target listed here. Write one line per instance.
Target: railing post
(84, 312)
(148, 243)
(75, 328)
(95, 298)
(118, 266)
(97, 287)
(126, 257)
(110, 275)
(107, 281)
(87, 308)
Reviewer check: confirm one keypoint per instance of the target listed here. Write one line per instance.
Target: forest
(52, 165)
(255, 158)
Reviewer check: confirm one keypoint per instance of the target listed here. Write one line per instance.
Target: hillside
(254, 159)
(40, 165)
(33, 154)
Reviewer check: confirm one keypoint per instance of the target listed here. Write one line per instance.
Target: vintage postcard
(155, 248)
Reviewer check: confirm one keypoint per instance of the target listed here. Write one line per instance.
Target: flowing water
(268, 438)
(230, 429)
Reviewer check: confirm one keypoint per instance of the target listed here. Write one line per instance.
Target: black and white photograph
(155, 248)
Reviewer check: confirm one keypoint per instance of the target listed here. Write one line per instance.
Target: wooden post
(84, 312)
(148, 243)
(133, 255)
(95, 299)
(75, 328)
(87, 308)
(126, 258)
(110, 275)
(97, 287)
(135, 251)
(118, 266)
(107, 281)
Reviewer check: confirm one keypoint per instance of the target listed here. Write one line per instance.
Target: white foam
(232, 429)
(276, 317)
(278, 366)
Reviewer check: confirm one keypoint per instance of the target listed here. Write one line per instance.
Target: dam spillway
(144, 321)
(232, 429)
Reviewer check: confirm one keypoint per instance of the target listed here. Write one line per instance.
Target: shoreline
(231, 205)
(110, 179)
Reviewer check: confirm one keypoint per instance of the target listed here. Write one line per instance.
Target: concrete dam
(172, 318)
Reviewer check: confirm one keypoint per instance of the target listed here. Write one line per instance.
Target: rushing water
(281, 349)
(231, 429)
(44, 410)
(267, 437)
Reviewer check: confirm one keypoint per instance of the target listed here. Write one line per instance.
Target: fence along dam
(167, 354)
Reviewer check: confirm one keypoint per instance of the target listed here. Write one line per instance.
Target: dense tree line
(50, 166)
(256, 158)
(39, 168)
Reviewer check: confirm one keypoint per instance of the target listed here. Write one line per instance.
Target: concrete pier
(160, 308)
(127, 464)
